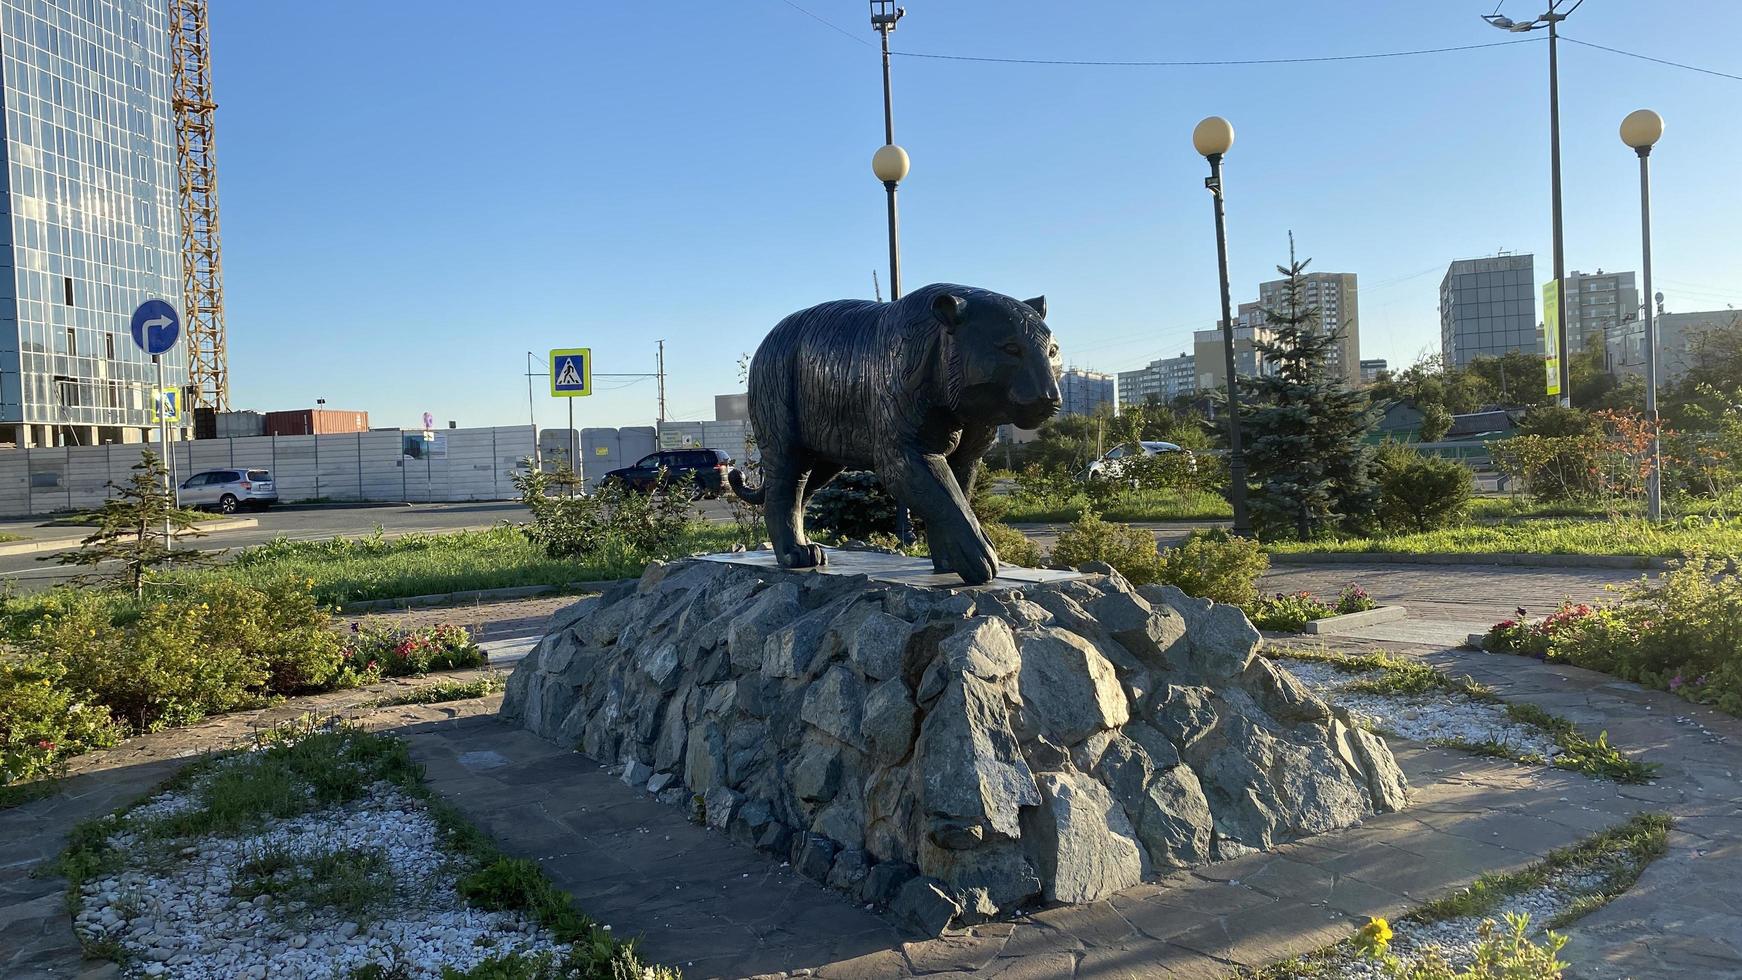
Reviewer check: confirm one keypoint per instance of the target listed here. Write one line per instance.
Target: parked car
(705, 469)
(1115, 460)
(228, 490)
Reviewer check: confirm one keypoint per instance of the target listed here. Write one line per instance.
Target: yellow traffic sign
(166, 405)
(571, 372)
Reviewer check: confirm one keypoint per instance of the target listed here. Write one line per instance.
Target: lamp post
(1212, 138)
(1641, 130)
(889, 164)
(1549, 20)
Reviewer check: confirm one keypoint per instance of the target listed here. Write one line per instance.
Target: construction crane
(202, 265)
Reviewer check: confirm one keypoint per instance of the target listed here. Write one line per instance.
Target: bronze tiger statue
(914, 390)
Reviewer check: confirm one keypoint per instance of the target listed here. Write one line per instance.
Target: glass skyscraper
(1488, 308)
(91, 227)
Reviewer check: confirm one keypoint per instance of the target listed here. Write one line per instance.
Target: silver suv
(227, 490)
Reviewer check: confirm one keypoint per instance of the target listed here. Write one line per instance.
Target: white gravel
(1457, 938)
(1436, 717)
(174, 912)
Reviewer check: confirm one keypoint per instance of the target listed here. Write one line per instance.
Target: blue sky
(413, 196)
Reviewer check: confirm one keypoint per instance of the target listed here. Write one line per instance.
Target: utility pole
(661, 373)
(889, 164)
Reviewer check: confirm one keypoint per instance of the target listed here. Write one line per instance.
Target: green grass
(1520, 507)
(1619, 855)
(1146, 505)
(353, 569)
(299, 770)
(18, 794)
(1404, 677)
(89, 518)
(442, 691)
(1632, 538)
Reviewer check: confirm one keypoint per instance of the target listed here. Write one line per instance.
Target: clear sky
(414, 195)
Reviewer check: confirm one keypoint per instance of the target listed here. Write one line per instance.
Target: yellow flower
(1374, 937)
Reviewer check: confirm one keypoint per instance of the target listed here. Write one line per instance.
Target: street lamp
(889, 164)
(1640, 130)
(1549, 20)
(1213, 137)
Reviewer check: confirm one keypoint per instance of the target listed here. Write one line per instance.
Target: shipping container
(310, 421)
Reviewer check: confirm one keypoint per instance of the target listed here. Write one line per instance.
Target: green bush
(1130, 550)
(613, 522)
(157, 671)
(278, 624)
(1418, 492)
(1288, 613)
(1013, 546)
(1214, 564)
(855, 505)
(1682, 633)
(42, 721)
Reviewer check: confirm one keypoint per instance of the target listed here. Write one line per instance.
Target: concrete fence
(458, 464)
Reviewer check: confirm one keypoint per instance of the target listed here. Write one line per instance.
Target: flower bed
(1682, 634)
(1291, 612)
(374, 652)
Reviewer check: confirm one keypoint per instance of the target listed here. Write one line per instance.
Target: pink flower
(45, 745)
(1675, 682)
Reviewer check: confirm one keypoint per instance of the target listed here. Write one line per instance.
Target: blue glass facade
(90, 226)
(1488, 308)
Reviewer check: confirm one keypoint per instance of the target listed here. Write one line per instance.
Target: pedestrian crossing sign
(166, 405)
(571, 372)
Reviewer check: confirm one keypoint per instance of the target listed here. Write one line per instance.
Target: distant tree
(131, 529)
(1436, 421)
(1307, 449)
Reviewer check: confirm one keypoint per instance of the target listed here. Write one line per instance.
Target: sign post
(1551, 333)
(156, 326)
(571, 377)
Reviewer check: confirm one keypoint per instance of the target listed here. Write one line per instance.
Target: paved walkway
(715, 908)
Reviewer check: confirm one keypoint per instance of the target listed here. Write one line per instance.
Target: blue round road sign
(156, 326)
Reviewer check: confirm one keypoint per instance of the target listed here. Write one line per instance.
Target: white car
(1115, 460)
(227, 490)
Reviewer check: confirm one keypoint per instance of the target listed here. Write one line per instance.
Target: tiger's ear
(1038, 305)
(949, 309)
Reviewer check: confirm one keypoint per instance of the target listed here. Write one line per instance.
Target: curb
(476, 595)
(64, 544)
(1347, 621)
(347, 505)
(1442, 558)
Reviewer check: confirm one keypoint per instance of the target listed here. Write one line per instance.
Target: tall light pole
(890, 164)
(1212, 138)
(1641, 130)
(1549, 20)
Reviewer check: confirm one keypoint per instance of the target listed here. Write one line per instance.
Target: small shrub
(1214, 564)
(42, 721)
(1418, 492)
(1130, 550)
(1288, 613)
(854, 505)
(612, 522)
(1354, 599)
(1013, 546)
(1501, 954)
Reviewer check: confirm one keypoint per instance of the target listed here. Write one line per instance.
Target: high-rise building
(1334, 295)
(1080, 392)
(89, 184)
(1161, 380)
(1598, 303)
(1488, 308)
(1371, 369)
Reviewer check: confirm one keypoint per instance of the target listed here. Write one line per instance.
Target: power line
(1209, 64)
(849, 35)
(1659, 61)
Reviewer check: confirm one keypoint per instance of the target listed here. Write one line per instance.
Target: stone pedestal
(950, 753)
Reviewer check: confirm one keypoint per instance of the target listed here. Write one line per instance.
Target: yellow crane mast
(202, 265)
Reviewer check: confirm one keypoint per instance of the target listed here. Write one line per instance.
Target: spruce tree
(1305, 448)
(131, 528)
